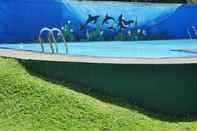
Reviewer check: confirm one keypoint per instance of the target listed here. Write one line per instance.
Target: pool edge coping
(29, 55)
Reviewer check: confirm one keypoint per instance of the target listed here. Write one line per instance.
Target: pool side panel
(168, 88)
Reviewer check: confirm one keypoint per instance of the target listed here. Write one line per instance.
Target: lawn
(28, 102)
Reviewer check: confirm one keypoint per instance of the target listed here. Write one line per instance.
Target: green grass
(30, 103)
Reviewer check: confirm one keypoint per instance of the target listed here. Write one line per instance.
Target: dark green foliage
(154, 1)
(192, 1)
(95, 35)
(158, 1)
(68, 33)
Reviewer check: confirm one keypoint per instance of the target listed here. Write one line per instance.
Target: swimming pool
(130, 49)
(158, 82)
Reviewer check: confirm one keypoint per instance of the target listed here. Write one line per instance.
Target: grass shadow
(119, 101)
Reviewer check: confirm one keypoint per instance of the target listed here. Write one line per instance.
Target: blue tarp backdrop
(21, 20)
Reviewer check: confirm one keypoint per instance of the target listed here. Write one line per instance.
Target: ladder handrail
(54, 40)
(189, 33)
(195, 30)
(62, 36)
(41, 41)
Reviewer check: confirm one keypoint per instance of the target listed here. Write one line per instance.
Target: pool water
(134, 49)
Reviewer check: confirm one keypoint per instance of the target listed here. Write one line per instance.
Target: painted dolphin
(107, 17)
(91, 19)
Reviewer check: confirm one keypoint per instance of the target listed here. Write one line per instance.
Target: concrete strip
(29, 55)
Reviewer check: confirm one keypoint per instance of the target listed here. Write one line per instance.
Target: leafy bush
(156, 1)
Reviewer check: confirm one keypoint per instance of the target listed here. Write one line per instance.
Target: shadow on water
(119, 101)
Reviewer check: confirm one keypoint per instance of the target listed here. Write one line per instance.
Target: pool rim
(32, 55)
(190, 51)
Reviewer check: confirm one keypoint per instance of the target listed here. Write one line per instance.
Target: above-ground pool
(133, 49)
(158, 75)
(147, 53)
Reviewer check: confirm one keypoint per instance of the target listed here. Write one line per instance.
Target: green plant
(68, 32)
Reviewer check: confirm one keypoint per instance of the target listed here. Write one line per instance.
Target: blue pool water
(142, 49)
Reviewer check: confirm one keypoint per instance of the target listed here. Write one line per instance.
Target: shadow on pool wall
(21, 21)
(168, 89)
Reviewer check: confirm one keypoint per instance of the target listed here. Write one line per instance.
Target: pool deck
(29, 55)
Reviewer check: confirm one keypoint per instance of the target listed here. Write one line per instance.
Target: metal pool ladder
(51, 35)
(62, 37)
(49, 40)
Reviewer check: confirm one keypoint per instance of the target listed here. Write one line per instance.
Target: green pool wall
(166, 88)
